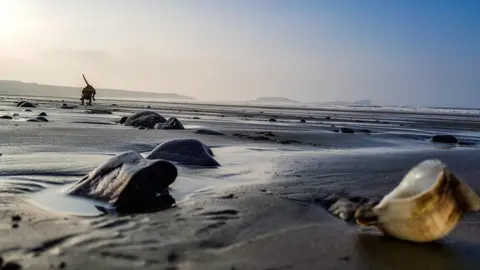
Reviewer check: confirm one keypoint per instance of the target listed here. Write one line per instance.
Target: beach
(261, 209)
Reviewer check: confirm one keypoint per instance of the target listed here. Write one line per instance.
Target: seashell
(426, 205)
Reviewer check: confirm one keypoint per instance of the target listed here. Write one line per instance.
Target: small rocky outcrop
(8, 117)
(204, 131)
(347, 130)
(272, 120)
(185, 151)
(444, 139)
(42, 114)
(129, 183)
(303, 121)
(123, 120)
(26, 104)
(38, 119)
(98, 111)
(145, 119)
(172, 123)
(27, 110)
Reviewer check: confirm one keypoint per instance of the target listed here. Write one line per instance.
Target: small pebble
(172, 257)
(62, 265)
(14, 225)
(16, 218)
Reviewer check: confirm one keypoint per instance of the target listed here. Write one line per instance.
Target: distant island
(18, 88)
(273, 99)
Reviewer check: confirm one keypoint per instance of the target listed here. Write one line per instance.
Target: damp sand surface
(259, 210)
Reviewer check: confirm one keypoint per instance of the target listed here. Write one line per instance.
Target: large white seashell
(424, 207)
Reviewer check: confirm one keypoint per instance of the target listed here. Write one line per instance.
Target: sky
(409, 52)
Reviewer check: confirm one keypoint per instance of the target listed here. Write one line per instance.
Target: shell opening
(417, 181)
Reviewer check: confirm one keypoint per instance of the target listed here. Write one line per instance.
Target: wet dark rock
(62, 265)
(208, 132)
(28, 110)
(142, 128)
(289, 141)
(6, 117)
(444, 139)
(145, 119)
(466, 143)
(266, 133)
(38, 119)
(172, 123)
(149, 107)
(42, 114)
(12, 266)
(130, 183)
(25, 104)
(67, 107)
(14, 225)
(98, 111)
(347, 130)
(196, 117)
(16, 218)
(16, 115)
(303, 121)
(362, 131)
(185, 151)
(172, 257)
(272, 120)
(255, 138)
(328, 118)
(123, 119)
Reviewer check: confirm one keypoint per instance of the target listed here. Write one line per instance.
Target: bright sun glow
(10, 17)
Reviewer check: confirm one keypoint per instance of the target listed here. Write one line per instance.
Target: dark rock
(6, 117)
(66, 106)
(129, 182)
(347, 130)
(25, 104)
(172, 257)
(12, 266)
(28, 110)
(14, 225)
(1, 262)
(272, 120)
(16, 218)
(266, 133)
(466, 143)
(443, 139)
(149, 107)
(123, 119)
(289, 141)
(207, 132)
(172, 123)
(145, 119)
(362, 131)
(16, 115)
(42, 114)
(328, 118)
(142, 128)
(98, 111)
(62, 265)
(303, 121)
(38, 119)
(185, 151)
(196, 117)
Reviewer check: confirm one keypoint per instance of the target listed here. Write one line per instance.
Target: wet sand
(260, 210)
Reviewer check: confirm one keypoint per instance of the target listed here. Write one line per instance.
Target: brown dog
(88, 93)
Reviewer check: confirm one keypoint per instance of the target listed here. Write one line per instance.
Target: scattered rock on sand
(98, 111)
(25, 104)
(123, 119)
(272, 120)
(38, 119)
(28, 110)
(6, 117)
(444, 139)
(16, 218)
(208, 132)
(145, 119)
(129, 182)
(172, 123)
(346, 130)
(185, 151)
(42, 114)
(16, 115)
(66, 106)
(303, 121)
(196, 118)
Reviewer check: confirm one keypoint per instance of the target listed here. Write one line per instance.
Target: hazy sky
(405, 52)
